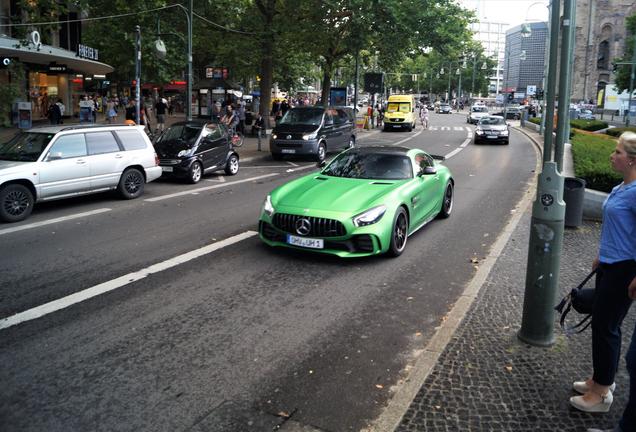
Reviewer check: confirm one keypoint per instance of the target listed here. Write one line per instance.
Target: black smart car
(193, 148)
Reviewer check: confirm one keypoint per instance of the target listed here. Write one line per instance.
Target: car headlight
(274, 136)
(370, 216)
(503, 132)
(183, 153)
(268, 208)
(479, 131)
(311, 136)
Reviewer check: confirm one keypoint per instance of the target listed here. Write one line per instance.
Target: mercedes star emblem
(288, 136)
(303, 226)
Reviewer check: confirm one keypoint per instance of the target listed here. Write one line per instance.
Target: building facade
(600, 39)
(524, 63)
(56, 63)
(492, 36)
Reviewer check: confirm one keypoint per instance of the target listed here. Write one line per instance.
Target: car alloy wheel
(447, 203)
(352, 142)
(195, 172)
(232, 166)
(399, 233)
(16, 203)
(322, 152)
(131, 184)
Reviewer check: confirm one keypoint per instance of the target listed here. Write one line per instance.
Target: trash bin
(573, 195)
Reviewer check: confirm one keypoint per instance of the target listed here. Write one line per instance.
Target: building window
(602, 61)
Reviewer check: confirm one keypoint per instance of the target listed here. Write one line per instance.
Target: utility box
(22, 115)
(573, 195)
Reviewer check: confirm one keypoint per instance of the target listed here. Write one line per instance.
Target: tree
(623, 72)
(11, 91)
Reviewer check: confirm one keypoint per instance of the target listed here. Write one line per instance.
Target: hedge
(535, 120)
(590, 154)
(588, 125)
(619, 130)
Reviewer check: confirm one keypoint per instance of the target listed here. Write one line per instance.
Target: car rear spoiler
(438, 157)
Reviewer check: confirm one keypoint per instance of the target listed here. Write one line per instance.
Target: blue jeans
(611, 304)
(628, 421)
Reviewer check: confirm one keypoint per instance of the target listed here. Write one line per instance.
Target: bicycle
(236, 138)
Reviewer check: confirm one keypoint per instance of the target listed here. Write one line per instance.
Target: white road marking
(408, 138)
(301, 168)
(458, 128)
(52, 221)
(218, 179)
(119, 282)
(292, 164)
(453, 153)
(433, 128)
(190, 192)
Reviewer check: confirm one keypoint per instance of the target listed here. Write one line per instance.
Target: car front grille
(288, 145)
(319, 227)
(169, 161)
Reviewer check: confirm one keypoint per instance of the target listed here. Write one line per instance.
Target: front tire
(195, 172)
(322, 152)
(232, 165)
(352, 142)
(131, 184)
(16, 203)
(399, 233)
(447, 201)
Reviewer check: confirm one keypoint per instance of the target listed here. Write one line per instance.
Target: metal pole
(506, 62)
(548, 211)
(355, 87)
(189, 75)
(546, 62)
(550, 92)
(138, 74)
(450, 72)
(565, 81)
(472, 88)
(631, 80)
(459, 87)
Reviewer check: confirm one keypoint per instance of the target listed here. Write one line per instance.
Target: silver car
(57, 162)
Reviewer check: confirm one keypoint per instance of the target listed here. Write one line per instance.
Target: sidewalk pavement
(485, 378)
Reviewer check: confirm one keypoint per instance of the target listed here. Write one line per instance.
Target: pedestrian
(160, 111)
(170, 107)
(111, 110)
(131, 111)
(380, 114)
(615, 291)
(259, 124)
(230, 119)
(241, 117)
(424, 116)
(54, 114)
(60, 104)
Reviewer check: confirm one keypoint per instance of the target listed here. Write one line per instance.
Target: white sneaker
(582, 388)
(600, 407)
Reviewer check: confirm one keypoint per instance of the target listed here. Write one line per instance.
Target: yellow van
(400, 112)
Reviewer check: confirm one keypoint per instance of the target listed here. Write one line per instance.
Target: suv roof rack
(91, 126)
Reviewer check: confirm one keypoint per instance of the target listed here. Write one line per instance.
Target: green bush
(591, 154)
(535, 120)
(615, 132)
(588, 125)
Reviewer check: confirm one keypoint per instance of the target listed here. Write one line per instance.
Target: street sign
(531, 90)
(499, 99)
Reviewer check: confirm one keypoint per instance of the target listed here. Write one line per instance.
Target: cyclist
(231, 120)
(424, 116)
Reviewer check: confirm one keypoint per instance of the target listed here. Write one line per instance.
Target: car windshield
(303, 116)
(25, 147)
(480, 109)
(403, 107)
(184, 132)
(445, 106)
(586, 112)
(374, 166)
(491, 121)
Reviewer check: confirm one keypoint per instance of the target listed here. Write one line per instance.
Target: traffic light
(510, 97)
(614, 67)
(373, 82)
(7, 61)
(539, 94)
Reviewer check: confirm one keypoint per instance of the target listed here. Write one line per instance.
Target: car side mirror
(427, 170)
(321, 164)
(55, 156)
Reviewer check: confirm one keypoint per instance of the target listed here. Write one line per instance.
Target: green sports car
(367, 201)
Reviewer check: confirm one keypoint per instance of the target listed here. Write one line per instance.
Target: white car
(57, 162)
(476, 113)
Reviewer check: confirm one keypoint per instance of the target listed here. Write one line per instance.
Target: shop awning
(47, 54)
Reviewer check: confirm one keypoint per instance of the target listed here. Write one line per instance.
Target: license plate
(167, 169)
(492, 136)
(305, 242)
(289, 151)
(397, 126)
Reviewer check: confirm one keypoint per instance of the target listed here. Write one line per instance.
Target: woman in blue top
(615, 290)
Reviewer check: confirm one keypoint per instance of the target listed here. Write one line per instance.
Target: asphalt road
(235, 336)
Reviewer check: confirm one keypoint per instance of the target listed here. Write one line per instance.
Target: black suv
(192, 148)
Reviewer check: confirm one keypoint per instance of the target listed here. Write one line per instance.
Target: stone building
(600, 39)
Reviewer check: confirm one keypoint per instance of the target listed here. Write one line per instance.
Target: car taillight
(156, 160)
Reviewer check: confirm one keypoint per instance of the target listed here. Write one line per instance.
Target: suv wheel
(131, 184)
(195, 172)
(16, 203)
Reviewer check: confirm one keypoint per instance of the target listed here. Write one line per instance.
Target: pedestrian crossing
(449, 128)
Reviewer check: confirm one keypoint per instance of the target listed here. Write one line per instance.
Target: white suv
(56, 162)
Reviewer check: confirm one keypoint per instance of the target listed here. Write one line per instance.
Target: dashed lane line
(52, 221)
(64, 302)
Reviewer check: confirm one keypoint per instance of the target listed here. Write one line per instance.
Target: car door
(343, 123)
(331, 132)
(425, 198)
(213, 146)
(65, 169)
(106, 160)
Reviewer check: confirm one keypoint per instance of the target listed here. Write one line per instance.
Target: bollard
(258, 135)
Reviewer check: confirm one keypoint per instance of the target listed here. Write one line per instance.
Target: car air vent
(321, 178)
(381, 183)
(317, 227)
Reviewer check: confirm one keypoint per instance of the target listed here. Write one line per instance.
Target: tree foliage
(623, 71)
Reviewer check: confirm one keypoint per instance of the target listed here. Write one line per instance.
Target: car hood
(11, 167)
(171, 148)
(294, 128)
(337, 194)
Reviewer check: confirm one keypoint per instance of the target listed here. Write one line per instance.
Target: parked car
(476, 112)
(585, 114)
(445, 109)
(367, 201)
(55, 162)
(492, 129)
(313, 131)
(512, 112)
(191, 149)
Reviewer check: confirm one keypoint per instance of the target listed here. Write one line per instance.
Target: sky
(513, 12)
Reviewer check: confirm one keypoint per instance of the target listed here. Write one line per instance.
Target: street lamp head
(484, 66)
(441, 71)
(457, 72)
(160, 49)
(464, 64)
(525, 30)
